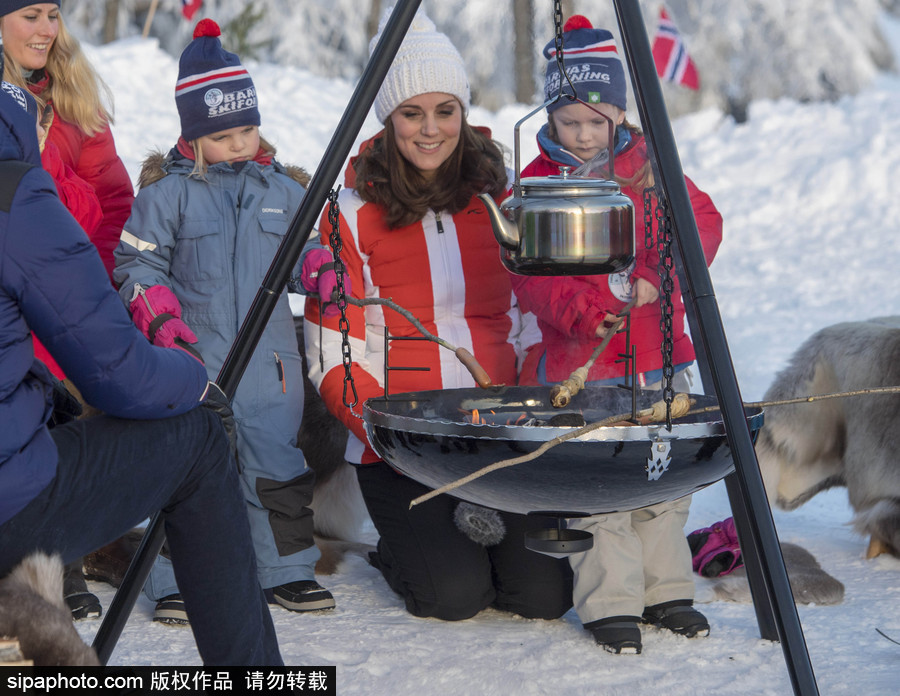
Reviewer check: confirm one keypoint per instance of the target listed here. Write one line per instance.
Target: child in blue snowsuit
(203, 231)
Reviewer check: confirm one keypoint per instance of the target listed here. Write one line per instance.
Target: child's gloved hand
(157, 313)
(318, 276)
(715, 549)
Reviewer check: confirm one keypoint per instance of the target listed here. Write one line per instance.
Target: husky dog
(854, 441)
(33, 611)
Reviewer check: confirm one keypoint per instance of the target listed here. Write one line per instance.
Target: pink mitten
(317, 275)
(309, 274)
(157, 313)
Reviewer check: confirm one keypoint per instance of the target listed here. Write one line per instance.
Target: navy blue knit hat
(7, 6)
(214, 92)
(592, 64)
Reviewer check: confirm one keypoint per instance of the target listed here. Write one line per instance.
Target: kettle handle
(517, 189)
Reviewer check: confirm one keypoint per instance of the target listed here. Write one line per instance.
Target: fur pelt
(33, 611)
(853, 441)
(482, 525)
(809, 583)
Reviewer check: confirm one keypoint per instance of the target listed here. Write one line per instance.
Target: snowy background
(811, 213)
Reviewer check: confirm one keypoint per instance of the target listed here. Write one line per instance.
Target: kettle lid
(565, 185)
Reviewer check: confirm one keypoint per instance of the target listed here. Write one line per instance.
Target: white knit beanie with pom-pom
(426, 62)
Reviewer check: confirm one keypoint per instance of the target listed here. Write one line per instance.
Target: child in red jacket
(639, 569)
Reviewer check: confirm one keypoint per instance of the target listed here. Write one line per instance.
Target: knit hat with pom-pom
(592, 65)
(425, 62)
(214, 92)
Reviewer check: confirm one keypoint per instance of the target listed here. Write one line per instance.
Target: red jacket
(570, 308)
(446, 270)
(94, 159)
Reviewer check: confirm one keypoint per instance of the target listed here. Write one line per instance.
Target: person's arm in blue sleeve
(68, 303)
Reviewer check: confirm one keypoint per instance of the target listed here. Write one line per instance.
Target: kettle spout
(505, 230)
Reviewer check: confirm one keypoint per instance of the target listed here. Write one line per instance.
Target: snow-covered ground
(811, 212)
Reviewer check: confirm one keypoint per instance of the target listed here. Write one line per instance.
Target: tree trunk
(110, 21)
(374, 17)
(523, 24)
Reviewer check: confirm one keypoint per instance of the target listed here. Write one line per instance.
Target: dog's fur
(339, 511)
(33, 611)
(809, 583)
(851, 441)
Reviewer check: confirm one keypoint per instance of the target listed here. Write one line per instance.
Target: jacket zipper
(440, 225)
(143, 293)
(280, 369)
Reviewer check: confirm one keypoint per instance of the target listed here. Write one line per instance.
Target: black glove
(65, 406)
(217, 402)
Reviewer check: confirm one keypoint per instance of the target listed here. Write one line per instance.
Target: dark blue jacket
(52, 283)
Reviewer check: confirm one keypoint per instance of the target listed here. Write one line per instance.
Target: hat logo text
(213, 97)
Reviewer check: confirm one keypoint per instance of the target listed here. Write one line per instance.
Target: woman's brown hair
(386, 178)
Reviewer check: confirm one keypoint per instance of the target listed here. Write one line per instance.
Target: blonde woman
(42, 56)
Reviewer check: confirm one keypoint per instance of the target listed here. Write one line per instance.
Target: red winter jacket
(570, 308)
(94, 159)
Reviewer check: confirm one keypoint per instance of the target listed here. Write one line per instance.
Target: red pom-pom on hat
(206, 27)
(576, 22)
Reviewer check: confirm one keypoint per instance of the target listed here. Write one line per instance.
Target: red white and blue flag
(672, 60)
(189, 8)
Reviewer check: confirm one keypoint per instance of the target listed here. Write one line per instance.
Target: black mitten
(65, 406)
(217, 402)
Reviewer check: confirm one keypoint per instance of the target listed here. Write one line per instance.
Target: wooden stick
(561, 394)
(520, 460)
(479, 374)
(149, 21)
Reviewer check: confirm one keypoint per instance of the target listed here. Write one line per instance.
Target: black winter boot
(620, 635)
(678, 616)
(82, 604)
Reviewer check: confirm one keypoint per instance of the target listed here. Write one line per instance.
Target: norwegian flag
(671, 58)
(189, 8)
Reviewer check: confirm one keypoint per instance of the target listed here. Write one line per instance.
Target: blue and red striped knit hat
(591, 62)
(214, 92)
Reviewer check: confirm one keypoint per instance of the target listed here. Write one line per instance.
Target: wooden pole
(150, 13)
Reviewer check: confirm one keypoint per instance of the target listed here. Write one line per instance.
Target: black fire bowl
(426, 436)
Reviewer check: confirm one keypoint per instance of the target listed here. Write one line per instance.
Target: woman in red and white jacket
(413, 231)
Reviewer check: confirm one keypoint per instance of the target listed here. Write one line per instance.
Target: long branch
(479, 374)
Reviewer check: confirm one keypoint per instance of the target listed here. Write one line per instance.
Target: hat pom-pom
(577, 22)
(206, 27)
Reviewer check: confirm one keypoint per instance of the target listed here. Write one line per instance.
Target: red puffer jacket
(570, 308)
(95, 160)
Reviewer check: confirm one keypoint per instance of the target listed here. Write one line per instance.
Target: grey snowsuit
(211, 242)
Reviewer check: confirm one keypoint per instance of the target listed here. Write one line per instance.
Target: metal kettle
(563, 224)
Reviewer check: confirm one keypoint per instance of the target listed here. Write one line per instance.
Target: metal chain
(667, 287)
(334, 213)
(648, 218)
(560, 63)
